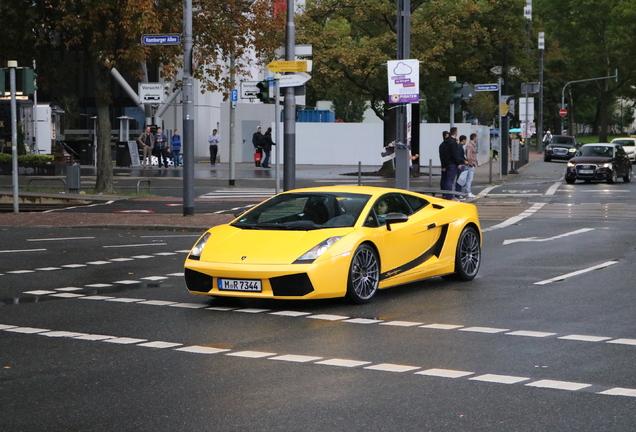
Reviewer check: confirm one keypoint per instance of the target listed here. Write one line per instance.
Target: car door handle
(431, 226)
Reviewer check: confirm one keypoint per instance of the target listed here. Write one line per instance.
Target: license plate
(586, 171)
(249, 285)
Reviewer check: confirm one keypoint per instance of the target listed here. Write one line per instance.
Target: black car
(560, 147)
(599, 162)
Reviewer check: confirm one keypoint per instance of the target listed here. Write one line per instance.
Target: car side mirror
(393, 218)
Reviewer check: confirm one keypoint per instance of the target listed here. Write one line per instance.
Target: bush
(27, 159)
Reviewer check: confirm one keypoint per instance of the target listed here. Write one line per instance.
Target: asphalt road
(97, 332)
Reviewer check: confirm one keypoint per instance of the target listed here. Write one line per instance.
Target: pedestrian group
(458, 159)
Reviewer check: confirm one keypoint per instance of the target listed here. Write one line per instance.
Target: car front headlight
(197, 250)
(312, 254)
(571, 165)
(607, 165)
(572, 150)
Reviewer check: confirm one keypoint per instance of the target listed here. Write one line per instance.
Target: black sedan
(599, 162)
(560, 147)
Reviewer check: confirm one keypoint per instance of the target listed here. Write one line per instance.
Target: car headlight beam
(312, 254)
(197, 249)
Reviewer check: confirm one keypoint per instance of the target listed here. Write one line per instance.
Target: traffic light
(263, 94)
(28, 81)
(2, 88)
(454, 91)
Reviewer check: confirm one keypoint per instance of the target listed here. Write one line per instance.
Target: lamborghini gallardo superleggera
(336, 241)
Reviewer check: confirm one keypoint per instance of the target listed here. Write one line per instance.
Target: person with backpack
(175, 143)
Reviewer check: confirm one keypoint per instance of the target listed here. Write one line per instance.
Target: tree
(106, 35)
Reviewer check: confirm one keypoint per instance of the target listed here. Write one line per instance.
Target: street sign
(563, 112)
(249, 90)
(294, 80)
(487, 87)
(161, 39)
(289, 66)
(467, 91)
(151, 93)
(234, 96)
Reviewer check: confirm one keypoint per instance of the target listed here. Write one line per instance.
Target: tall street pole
(12, 64)
(289, 127)
(402, 176)
(541, 46)
(188, 112)
(232, 181)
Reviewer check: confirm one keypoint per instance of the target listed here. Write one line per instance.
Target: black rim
(365, 274)
(469, 253)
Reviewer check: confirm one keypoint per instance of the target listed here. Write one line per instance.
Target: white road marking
(401, 323)
(557, 237)
(60, 239)
(143, 256)
(126, 282)
(444, 373)
(188, 305)
(252, 310)
(363, 321)
(121, 259)
(26, 330)
(69, 289)
(552, 189)
(160, 344)
(61, 334)
(221, 308)
(39, 292)
(21, 250)
(442, 326)
(155, 278)
(67, 295)
(124, 300)
(288, 313)
(157, 302)
(390, 367)
(48, 268)
(483, 329)
(98, 262)
(295, 358)
(165, 253)
(93, 337)
(584, 338)
(124, 340)
(619, 391)
(98, 285)
(500, 379)
(530, 333)
(20, 271)
(197, 349)
(251, 354)
(623, 341)
(328, 317)
(515, 219)
(486, 191)
(343, 362)
(96, 297)
(559, 385)
(576, 273)
(73, 266)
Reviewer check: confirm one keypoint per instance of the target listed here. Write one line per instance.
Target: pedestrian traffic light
(28, 81)
(263, 94)
(454, 91)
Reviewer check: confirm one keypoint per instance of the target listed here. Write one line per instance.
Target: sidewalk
(167, 182)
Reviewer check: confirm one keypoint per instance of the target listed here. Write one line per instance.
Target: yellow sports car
(336, 241)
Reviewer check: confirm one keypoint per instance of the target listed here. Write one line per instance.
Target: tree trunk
(604, 117)
(101, 81)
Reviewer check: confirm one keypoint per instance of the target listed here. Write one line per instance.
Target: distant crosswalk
(239, 193)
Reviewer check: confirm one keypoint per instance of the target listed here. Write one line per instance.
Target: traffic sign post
(161, 39)
(563, 112)
(487, 87)
(151, 93)
(293, 80)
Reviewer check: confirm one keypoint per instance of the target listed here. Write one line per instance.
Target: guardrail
(139, 185)
(46, 179)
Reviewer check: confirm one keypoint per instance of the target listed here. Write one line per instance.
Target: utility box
(73, 178)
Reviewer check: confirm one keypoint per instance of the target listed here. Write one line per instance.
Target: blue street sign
(487, 87)
(161, 39)
(234, 97)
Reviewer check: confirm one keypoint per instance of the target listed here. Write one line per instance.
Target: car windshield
(305, 211)
(562, 140)
(603, 151)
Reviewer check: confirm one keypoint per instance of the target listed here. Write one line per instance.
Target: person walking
(147, 142)
(256, 141)
(266, 144)
(214, 139)
(175, 143)
(450, 161)
(161, 148)
(471, 163)
(442, 178)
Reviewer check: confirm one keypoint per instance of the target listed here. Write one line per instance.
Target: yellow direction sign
(288, 66)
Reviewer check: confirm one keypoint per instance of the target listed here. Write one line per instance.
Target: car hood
(229, 244)
(590, 160)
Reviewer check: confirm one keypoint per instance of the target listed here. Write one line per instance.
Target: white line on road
(557, 237)
(22, 250)
(515, 219)
(61, 239)
(576, 273)
(552, 189)
(136, 245)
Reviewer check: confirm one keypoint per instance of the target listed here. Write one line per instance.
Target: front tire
(612, 177)
(570, 180)
(628, 177)
(468, 255)
(364, 275)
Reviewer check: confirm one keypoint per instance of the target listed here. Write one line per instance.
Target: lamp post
(541, 47)
(188, 112)
(402, 176)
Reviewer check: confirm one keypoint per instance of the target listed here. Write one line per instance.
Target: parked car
(629, 145)
(599, 162)
(561, 147)
(336, 241)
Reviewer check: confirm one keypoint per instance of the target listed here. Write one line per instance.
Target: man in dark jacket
(256, 141)
(266, 144)
(442, 179)
(450, 161)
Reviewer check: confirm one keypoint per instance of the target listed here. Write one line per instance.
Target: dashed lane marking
(320, 360)
(576, 273)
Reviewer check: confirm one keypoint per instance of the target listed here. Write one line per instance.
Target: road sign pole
(188, 112)
(289, 167)
(232, 180)
(12, 64)
(277, 129)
